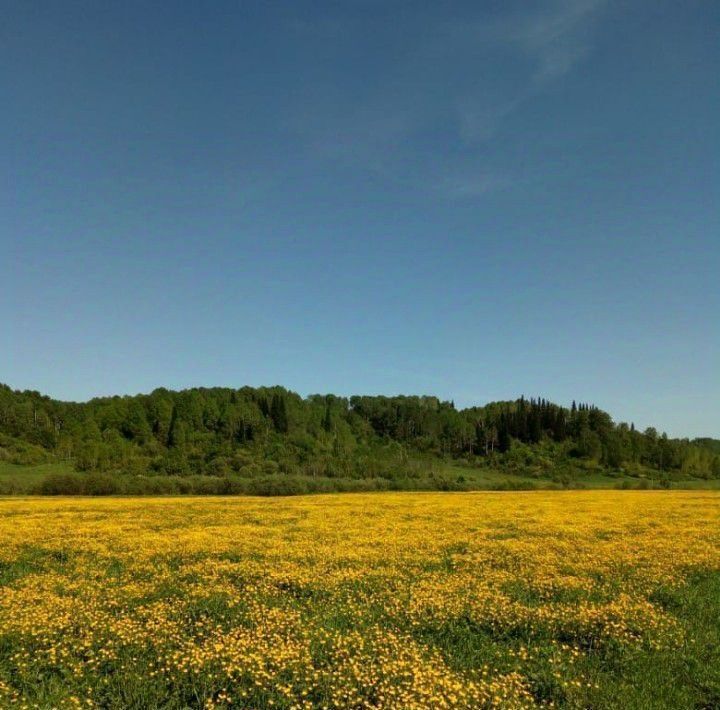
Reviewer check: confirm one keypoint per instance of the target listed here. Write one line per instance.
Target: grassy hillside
(16, 478)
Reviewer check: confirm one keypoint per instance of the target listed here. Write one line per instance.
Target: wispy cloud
(369, 136)
(479, 120)
(557, 38)
(552, 40)
(464, 186)
(452, 91)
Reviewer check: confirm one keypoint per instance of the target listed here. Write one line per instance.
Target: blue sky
(475, 200)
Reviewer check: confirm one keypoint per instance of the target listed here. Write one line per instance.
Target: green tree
(278, 413)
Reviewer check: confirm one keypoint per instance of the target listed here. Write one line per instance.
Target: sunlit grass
(16, 472)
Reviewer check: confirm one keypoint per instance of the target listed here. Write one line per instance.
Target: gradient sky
(470, 199)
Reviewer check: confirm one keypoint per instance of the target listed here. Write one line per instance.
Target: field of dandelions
(604, 599)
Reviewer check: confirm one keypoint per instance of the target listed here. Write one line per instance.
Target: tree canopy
(271, 430)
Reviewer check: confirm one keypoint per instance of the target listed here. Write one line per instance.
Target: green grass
(20, 473)
(447, 475)
(16, 478)
(583, 477)
(487, 477)
(698, 484)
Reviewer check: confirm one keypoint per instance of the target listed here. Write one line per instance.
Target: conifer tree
(278, 413)
(327, 419)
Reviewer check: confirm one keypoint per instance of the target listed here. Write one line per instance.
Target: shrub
(62, 484)
(100, 484)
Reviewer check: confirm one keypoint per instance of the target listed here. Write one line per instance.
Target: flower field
(600, 599)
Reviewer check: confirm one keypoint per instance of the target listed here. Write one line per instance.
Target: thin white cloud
(558, 37)
(479, 120)
(461, 83)
(469, 186)
(554, 40)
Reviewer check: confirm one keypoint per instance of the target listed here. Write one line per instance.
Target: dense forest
(271, 440)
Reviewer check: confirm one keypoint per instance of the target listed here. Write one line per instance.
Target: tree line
(253, 432)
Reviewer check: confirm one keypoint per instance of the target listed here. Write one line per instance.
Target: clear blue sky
(469, 199)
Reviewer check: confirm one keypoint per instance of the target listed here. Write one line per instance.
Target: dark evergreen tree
(504, 439)
(176, 432)
(327, 418)
(278, 413)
